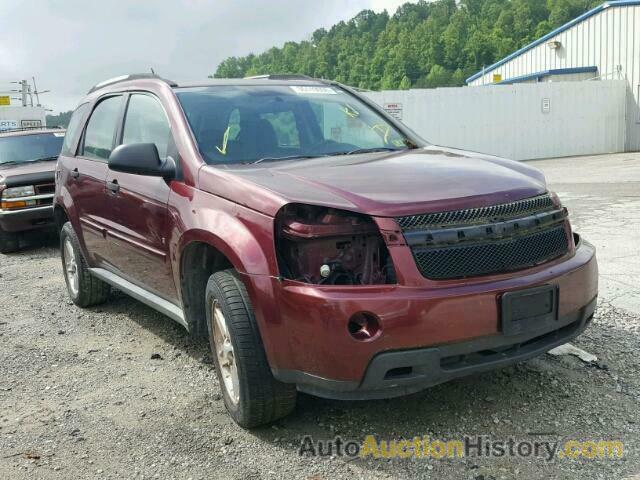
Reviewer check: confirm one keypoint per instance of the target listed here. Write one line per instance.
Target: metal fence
(521, 121)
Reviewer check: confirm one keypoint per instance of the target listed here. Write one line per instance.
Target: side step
(154, 301)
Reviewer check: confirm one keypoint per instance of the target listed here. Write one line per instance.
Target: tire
(8, 242)
(255, 398)
(84, 289)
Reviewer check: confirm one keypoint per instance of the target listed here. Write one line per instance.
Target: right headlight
(18, 192)
(326, 246)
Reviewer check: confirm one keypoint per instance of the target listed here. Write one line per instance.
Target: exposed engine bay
(326, 246)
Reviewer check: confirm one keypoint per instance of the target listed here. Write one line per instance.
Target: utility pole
(25, 91)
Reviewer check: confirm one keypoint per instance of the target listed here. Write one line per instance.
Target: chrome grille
(477, 215)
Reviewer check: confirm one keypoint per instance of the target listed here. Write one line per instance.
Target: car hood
(386, 184)
(27, 173)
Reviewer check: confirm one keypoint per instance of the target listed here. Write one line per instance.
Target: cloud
(70, 45)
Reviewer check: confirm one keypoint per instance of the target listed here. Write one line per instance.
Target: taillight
(326, 246)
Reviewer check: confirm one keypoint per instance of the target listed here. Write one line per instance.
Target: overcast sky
(69, 45)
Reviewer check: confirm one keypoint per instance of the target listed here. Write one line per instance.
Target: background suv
(320, 245)
(27, 164)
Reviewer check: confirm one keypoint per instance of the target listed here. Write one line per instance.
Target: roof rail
(280, 76)
(133, 76)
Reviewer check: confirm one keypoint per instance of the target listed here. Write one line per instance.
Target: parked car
(27, 164)
(318, 243)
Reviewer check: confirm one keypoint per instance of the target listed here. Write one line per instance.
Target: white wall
(608, 40)
(508, 120)
(17, 117)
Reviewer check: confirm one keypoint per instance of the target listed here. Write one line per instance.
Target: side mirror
(141, 159)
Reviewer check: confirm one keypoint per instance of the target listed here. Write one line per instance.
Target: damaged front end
(325, 246)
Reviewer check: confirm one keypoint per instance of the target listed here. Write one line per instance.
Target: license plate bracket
(528, 310)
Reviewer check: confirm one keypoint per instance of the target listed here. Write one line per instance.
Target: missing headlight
(326, 246)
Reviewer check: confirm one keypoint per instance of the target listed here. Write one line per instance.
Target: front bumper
(304, 328)
(396, 373)
(27, 219)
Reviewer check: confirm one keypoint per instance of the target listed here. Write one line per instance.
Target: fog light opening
(364, 326)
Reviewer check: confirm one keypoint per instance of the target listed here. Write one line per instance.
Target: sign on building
(394, 109)
(8, 124)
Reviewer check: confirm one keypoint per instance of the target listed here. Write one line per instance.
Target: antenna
(152, 71)
(36, 92)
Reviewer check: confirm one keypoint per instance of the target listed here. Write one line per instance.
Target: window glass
(30, 148)
(243, 124)
(98, 137)
(77, 119)
(285, 128)
(146, 122)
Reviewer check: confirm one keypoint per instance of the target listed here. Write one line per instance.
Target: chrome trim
(25, 210)
(159, 304)
(28, 199)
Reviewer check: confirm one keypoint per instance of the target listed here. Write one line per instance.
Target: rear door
(86, 174)
(137, 218)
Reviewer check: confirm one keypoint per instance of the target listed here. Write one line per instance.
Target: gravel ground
(119, 391)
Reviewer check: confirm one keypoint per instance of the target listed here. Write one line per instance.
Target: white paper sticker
(313, 90)
(58, 134)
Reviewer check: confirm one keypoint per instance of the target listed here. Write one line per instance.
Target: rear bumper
(27, 219)
(396, 373)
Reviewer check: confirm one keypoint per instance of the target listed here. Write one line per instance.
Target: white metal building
(603, 43)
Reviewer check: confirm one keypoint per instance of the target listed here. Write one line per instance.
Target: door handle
(75, 173)
(113, 186)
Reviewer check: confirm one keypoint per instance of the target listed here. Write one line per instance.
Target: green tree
(423, 44)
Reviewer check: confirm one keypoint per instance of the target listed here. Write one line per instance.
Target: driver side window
(146, 122)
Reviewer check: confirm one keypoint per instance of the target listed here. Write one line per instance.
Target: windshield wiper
(366, 150)
(290, 157)
(43, 159)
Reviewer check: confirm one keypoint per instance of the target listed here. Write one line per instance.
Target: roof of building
(541, 40)
(546, 73)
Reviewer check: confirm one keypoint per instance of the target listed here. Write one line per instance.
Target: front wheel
(251, 395)
(8, 242)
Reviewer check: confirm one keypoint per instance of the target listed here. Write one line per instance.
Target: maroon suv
(319, 244)
(27, 164)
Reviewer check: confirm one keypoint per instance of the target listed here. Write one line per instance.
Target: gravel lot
(119, 391)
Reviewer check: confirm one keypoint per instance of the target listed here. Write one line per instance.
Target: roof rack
(283, 76)
(133, 76)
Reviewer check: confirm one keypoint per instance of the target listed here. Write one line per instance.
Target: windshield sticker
(313, 90)
(58, 134)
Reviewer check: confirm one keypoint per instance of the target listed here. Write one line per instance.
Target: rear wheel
(84, 289)
(251, 394)
(8, 242)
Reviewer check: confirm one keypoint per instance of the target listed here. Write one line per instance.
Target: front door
(136, 221)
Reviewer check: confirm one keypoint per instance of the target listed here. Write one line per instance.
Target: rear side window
(73, 130)
(146, 122)
(99, 134)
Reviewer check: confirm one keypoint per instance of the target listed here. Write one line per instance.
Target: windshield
(29, 148)
(245, 124)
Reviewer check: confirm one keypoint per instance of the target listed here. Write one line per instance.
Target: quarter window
(146, 122)
(98, 137)
(70, 138)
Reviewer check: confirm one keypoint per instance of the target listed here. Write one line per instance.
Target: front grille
(45, 189)
(477, 215)
(486, 240)
(492, 257)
